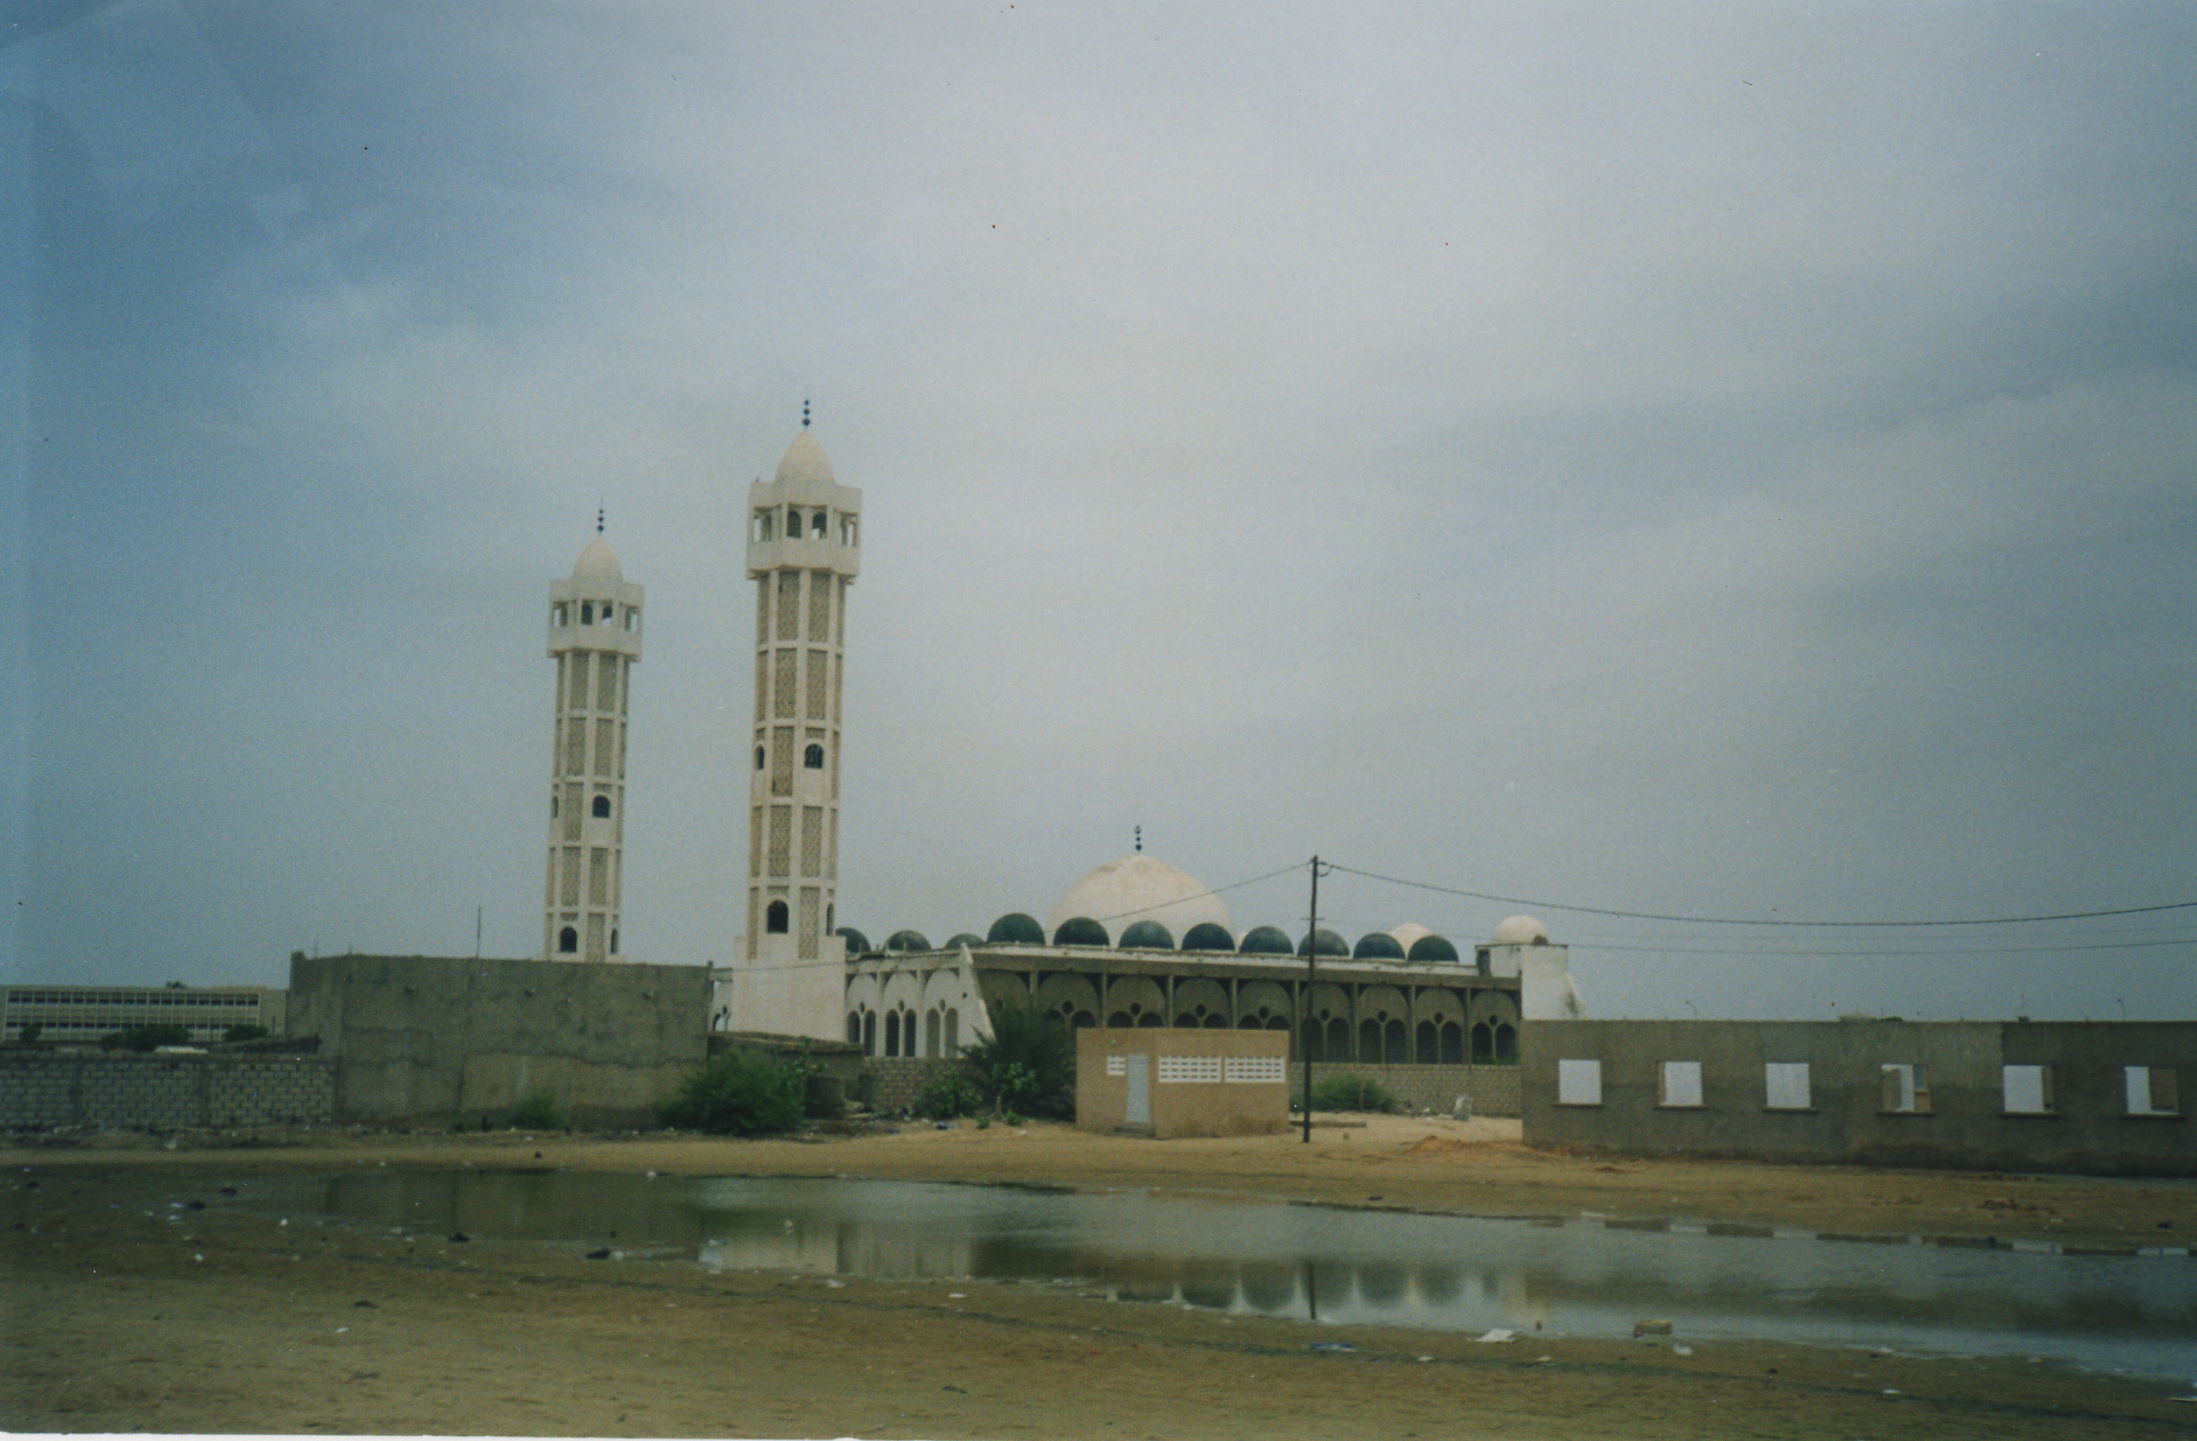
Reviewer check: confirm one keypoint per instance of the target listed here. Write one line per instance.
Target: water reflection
(1442, 1272)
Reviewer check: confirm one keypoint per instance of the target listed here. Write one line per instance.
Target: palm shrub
(1351, 1093)
(1029, 1064)
(740, 1094)
(538, 1111)
(945, 1097)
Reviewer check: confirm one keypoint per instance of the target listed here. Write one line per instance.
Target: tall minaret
(595, 637)
(804, 534)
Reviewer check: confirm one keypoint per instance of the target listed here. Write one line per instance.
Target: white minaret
(804, 534)
(595, 638)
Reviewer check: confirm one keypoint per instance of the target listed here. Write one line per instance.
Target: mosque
(1135, 942)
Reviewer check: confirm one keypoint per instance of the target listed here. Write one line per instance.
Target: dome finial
(598, 520)
(1140, 840)
(804, 412)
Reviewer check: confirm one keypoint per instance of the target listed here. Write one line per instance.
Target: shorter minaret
(595, 638)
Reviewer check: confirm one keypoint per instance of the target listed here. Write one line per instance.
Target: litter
(1497, 1336)
(1331, 1346)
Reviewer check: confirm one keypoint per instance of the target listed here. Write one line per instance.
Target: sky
(1727, 462)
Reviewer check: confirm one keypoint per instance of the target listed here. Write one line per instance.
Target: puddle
(1576, 1277)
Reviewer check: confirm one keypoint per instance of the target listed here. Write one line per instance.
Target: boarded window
(606, 684)
(2152, 1090)
(1578, 1083)
(2026, 1090)
(820, 606)
(1680, 1084)
(789, 605)
(568, 890)
(781, 761)
(598, 877)
(1903, 1088)
(572, 810)
(1785, 1086)
(606, 748)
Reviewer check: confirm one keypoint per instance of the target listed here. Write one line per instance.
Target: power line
(1201, 895)
(1755, 921)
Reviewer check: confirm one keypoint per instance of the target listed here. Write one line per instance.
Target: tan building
(1166, 1083)
(595, 638)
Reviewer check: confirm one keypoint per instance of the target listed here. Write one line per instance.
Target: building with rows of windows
(86, 1013)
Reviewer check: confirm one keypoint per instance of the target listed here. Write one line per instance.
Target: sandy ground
(115, 1320)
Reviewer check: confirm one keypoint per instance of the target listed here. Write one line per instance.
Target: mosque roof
(1138, 888)
(804, 462)
(598, 565)
(1408, 933)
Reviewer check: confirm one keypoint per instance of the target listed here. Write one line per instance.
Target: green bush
(740, 1094)
(538, 1111)
(1029, 1064)
(244, 1031)
(1350, 1093)
(146, 1038)
(945, 1097)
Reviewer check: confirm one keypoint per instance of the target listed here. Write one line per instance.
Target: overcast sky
(1734, 461)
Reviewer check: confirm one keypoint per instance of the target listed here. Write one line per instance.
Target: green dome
(1377, 946)
(1080, 931)
(1146, 936)
(857, 943)
(965, 938)
(1323, 942)
(1433, 948)
(1265, 941)
(1016, 929)
(906, 941)
(1205, 936)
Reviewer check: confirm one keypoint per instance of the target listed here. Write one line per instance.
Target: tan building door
(1140, 1091)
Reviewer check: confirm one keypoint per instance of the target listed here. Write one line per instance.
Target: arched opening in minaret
(587, 612)
(762, 525)
(774, 919)
(758, 757)
(602, 807)
(818, 525)
(813, 758)
(614, 940)
(568, 941)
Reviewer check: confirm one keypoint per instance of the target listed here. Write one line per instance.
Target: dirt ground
(114, 1319)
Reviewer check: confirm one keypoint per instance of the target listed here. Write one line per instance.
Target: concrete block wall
(889, 1083)
(163, 1093)
(1493, 1089)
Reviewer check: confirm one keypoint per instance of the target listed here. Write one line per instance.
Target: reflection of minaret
(595, 637)
(804, 533)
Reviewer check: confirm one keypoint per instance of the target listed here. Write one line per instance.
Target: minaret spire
(1140, 840)
(804, 412)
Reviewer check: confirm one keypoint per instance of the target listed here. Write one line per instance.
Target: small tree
(538, 1111)
(740, 1094)
(1349, 1093)
(146, 1038)
(1029, 1064)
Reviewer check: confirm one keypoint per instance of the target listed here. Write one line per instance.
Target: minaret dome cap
(598, 565)
(804, 462)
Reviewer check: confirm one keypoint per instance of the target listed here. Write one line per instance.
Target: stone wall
(48, 1089)
(1493, 1089)
(889, 1083)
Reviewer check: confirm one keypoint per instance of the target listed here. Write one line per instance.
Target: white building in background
(595, 638)
(804, 550)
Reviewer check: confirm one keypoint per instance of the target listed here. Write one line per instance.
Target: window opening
(762, 525)
(2152, 1090)
(601, 807)
(1578, 1083)
(1785, 1086)
(633, 618)
(813, 758)
(558, 615)
(758, 757)
(2026, 1090)
(1904, 1088)
(587, 612)
(568, 941)
(1680, 1084)
(817, 525)
(774, 918)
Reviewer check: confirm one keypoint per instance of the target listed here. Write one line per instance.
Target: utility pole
(1311, 974)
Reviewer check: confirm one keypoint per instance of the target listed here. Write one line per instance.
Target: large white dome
(804, 463)
(1520, 931)
(598, 565)
(1140, 888)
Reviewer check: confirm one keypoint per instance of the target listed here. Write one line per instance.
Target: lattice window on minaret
(840, 614)
(606, 683)
(812, 839)
(575, 746)
(755, 841)
(606, 748)
(782, 684)
(819, 678)
(812, 907)
(598, 876)
(781, 760)
(820, 605)
(839, 675)
(595, 951)
(789, 605)
(569, 892)
(831, 843)
(576, 680)
(572, 811)
(781, 839)
(762, 682)
(621, 750)
(762, 614)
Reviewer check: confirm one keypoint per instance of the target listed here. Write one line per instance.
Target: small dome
(1146, 936)
(1323, 942)
(1407, 935)
(1521, 931)
(1016, 929)
(857, 943)
(1205, 936)
(1080, 931)
(598, 565)
(1145, 888)
(906, 941)
(1432, 948)
(965, 938)
(1377, 946)
(804, 462)
(1265, 941)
